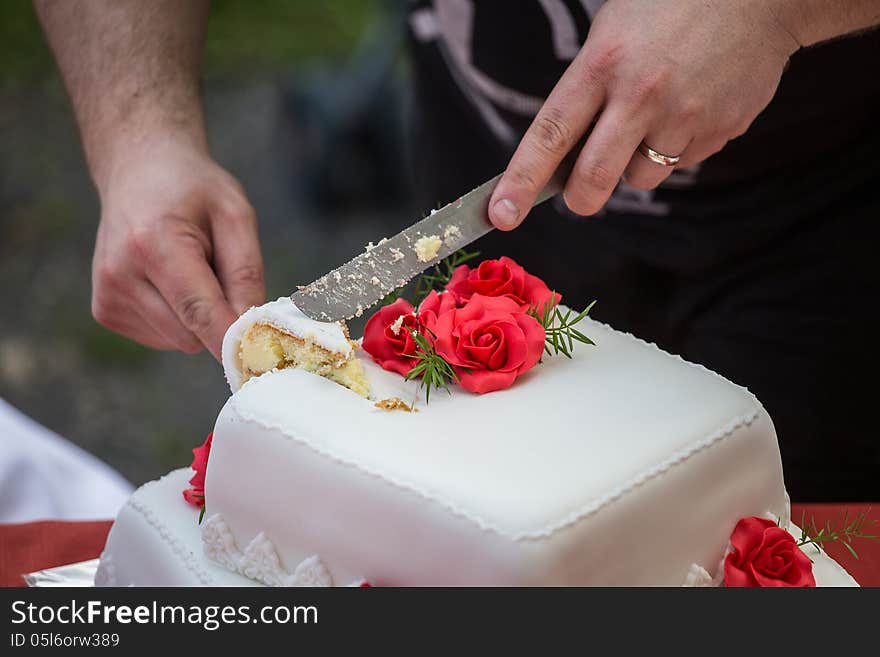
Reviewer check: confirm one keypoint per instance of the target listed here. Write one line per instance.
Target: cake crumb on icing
(375, 280)
(395, 404)
(397, 324)
(427, 247)
(396, 254)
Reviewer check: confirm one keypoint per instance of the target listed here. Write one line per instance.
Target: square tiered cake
(622, 465)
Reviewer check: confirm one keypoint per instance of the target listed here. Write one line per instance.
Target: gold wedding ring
(658, 158)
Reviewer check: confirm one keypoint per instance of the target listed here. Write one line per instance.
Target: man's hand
(177, 257)
(685, 76)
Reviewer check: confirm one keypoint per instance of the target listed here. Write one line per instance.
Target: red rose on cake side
(502, 278)
(489, 342)
(195, 495)
(762, 554)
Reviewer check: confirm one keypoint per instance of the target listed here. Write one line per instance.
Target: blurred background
(305, 106)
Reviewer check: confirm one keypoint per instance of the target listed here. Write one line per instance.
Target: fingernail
(505, 212)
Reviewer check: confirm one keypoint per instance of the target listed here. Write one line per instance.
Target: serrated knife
(351, 289)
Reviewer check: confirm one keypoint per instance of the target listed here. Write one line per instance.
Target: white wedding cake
(622, 465)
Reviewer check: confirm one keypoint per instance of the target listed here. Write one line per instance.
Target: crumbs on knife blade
(427, 247)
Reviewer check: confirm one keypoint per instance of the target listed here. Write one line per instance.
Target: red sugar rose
(432, 306)
(489, 342)
(501, 278)
(391, 345)
(196, 494)
(763, 554)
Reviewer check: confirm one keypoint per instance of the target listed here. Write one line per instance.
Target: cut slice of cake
(278, 335)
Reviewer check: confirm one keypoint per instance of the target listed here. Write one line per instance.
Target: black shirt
(758, 263)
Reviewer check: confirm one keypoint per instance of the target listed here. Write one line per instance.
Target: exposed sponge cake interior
(265, 347)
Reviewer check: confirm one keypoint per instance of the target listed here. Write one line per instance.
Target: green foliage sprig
(559, 329)
(851, 529)
(438, 276)
(204, 506)
(433, 369)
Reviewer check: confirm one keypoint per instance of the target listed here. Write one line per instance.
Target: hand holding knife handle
(563, 171)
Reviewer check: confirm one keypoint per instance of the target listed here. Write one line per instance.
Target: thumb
(237, 258)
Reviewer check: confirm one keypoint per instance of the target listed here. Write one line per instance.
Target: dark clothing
(758, 264)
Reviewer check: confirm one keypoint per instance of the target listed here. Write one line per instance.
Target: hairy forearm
(813, 21)
(131, 69)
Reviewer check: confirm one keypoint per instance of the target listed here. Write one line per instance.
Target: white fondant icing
(244, 408)
(282, 314)
(541, 483)
(139, 553)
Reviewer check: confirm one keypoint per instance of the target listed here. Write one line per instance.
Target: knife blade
(352, 288)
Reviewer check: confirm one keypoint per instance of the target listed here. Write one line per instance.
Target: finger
(162, 319)
(179, 269)
(565, 116)
(130, 324)
(644, 173)
(237, 258)
(601, 162)
(112, 292)
(143, 333)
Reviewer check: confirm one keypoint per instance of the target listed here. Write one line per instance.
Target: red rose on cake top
(432, 306)
(489, 342)
(480, 332)
(765, 555)
(502, 278)
(196, 494)
(388, 338)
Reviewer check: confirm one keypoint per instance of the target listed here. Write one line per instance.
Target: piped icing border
(724, 431)
(106, 575)
(259, 560)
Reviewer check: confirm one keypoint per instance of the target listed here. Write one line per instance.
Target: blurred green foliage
(111, 350)
(23, 53)
(243, 36)
(275, 35)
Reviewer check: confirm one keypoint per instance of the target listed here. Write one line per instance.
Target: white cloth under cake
(43, 476)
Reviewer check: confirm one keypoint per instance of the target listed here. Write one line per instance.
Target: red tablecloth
(38, 545)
